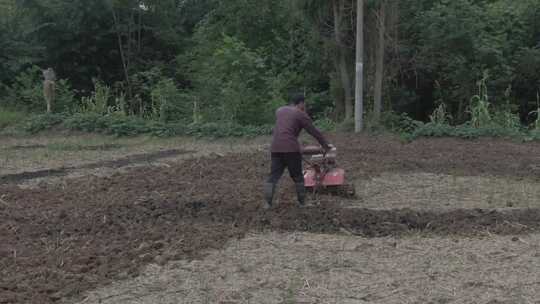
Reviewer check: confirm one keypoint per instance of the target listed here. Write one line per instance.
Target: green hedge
(122, 125)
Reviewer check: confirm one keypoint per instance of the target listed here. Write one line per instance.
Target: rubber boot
(268, 195)
(301, 193)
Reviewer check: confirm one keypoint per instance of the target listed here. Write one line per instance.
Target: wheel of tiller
(349, 191)
(346, 191)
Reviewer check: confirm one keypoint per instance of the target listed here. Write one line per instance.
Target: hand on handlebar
(329, 148)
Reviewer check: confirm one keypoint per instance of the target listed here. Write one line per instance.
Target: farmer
(285, 148)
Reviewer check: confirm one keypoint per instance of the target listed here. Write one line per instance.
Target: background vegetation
(462, 68)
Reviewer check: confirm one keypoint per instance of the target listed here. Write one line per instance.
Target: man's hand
(329, 148)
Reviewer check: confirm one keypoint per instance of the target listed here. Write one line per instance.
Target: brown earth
(57, 242)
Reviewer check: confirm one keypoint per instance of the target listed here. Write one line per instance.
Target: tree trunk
(125, 64)
(379, 70)
(359, 87)
(139, 31)
(341, 60)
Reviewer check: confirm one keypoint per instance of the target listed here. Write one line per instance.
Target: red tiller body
(321, 170)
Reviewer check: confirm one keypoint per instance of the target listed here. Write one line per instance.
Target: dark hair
(297, 99)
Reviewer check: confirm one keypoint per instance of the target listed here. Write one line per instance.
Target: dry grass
(56, 151)
(443, 192)
(308, 268)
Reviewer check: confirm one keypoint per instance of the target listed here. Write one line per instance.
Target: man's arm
(307, 124)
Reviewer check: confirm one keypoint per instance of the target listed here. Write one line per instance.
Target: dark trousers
(292, 161)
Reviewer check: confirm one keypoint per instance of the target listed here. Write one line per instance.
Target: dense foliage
(135, 66)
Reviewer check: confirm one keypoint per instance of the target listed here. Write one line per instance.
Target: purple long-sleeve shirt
(289, 123)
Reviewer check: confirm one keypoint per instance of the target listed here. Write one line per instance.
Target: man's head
(298, 101)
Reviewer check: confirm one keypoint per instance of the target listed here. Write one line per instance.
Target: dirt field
(435, 221)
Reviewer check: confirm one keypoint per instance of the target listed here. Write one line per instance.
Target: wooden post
(49, 84)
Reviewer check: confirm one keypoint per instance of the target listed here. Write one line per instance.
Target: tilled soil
(58, 242)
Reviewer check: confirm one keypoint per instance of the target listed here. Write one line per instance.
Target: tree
(18, 46)
(379, 70)
(331, 18)
(339, 13)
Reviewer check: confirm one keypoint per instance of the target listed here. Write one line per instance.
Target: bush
(440, 115)
(507, 120)
(232, 83)
(325, 124)
(533, 135)
(466, 131)
(114, 124)
(432, 130)
(121, 125)
(216, 130)
(98, 102)
(8, 118)
(160, 129)
(42, 122)
(26, 93)
(170, 104)
(87, 122)
(399, 123)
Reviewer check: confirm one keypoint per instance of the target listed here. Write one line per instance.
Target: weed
(440, 115)
(536, 123)
(479, 108)
(98, 101)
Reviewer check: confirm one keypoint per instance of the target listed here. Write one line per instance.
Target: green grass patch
(123, 126)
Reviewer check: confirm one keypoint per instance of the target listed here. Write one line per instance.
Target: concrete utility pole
(359, 90)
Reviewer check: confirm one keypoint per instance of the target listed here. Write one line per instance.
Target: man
(286, 150)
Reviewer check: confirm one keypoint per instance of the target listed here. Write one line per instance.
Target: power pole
(359, 88)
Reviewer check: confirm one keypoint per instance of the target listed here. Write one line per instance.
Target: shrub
(160, 129)
(26, 93)
(231, 83)
(479, 108)
(533, 135)
(8, 117)
(466, 131)
(325, 124)
(121, 125)
(440, 115)
(98, 102)
(87, 122)
(536, 123)
(399, 123)
(114, 124)
(506, 119)
(170, 104)
(42, 122)
(216, 130)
